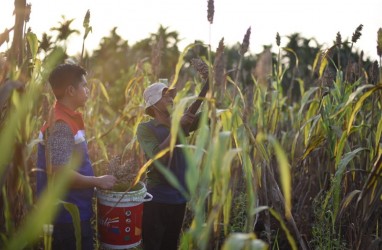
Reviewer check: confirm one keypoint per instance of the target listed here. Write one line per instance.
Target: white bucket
(120, 217)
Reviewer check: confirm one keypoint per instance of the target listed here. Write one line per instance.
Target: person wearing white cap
(163, 216)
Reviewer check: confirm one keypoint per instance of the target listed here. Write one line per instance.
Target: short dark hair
(64, 75)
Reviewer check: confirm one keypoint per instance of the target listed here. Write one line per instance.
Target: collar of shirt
(63, 111)
(61, 108)
(156, 123)
(72, 118)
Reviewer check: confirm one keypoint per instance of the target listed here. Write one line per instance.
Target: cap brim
(172, 91)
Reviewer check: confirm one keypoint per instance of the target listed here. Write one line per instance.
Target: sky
(135, 20)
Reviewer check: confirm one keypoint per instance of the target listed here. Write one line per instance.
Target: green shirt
(147, 139)
(150, 135)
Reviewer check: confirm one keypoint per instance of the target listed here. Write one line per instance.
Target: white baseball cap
(153, 94)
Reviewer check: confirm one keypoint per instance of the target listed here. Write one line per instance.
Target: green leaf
(346, 201)
(45, 209)
(176, 117)
(359, 104)
(180, 63)
(340, 147)
(378, 134)
(74, 212)
(104, 91)
(239, 241)
(324, 62)
(144, 168)
(338, 177)
(285, 176)
(33, 44)
(351, 98)
(285, 228)
(195, 158)
(294, 53)
(359, 90)
(227, 211)
(316, 60)
(10, 131)
(305, 98)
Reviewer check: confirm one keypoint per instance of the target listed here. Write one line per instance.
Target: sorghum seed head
(278, 39)
(357, 34)
(156, 57)
(221, 46)
(27, 14)
(245, 44)
(379, 43)
(338, 40)
(329, 53)
(201, 67)
(373, 73)
(86, 19)
(219, 64)
(210, 11)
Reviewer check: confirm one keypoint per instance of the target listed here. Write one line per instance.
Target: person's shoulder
(144, 125)
(60, 129)
(145, 129)
(61, 125)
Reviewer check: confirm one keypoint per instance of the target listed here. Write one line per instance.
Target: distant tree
(111, 58)
(166, 52)
(45, 43)
(64, 30)
(306, 50)
(170, 53)
(109, 63)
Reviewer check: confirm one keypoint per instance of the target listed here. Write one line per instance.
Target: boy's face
(80, 94)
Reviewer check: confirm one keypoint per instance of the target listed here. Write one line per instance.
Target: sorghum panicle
(219, 64)
(373, 73)
(357, 34)
(210, 11)
(27, 13)
(245, 44)
(86, 22)
(278, 40)
(338, 40)
(379, 43)
(201, 67)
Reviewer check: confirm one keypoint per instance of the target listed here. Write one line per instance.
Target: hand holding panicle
(106, 181)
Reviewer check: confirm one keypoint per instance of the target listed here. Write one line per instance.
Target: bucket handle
(149, 198)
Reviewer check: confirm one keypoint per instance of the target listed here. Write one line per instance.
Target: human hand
(186, 121)
(106, 181)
